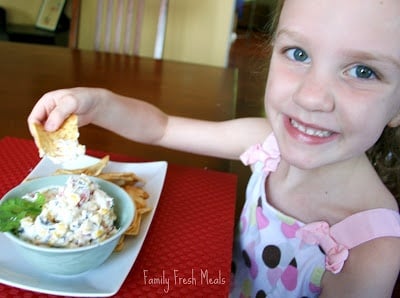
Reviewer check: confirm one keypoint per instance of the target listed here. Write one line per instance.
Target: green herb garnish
(15, 209)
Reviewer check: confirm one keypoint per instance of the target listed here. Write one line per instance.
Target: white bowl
(70, 261)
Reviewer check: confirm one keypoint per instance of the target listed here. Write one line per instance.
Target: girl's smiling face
(334, 80)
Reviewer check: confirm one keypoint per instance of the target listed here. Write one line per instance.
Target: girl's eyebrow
(289, 33)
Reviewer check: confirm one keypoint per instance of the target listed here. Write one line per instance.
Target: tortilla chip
(137, 193)
(60, 145)
(93, 170)
(120, 179)
(120, 244)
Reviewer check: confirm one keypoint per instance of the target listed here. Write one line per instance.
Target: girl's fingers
(53, 108)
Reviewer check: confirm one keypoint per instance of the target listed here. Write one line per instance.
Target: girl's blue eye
(298, 54)
(362, 72)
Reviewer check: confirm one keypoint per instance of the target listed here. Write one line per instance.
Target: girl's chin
(301, 163)
(303, 156)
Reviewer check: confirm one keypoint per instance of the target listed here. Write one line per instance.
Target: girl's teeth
(310, 131)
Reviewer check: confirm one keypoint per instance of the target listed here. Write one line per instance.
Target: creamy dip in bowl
(79, 226)
(76, 214)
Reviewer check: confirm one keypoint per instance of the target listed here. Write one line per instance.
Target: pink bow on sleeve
(319, 233)
(267, 153)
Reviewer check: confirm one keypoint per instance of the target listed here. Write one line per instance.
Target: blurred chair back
(119, 26)
(3, 24)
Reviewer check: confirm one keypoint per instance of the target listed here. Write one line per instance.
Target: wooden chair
(119, 25)
(3, 24)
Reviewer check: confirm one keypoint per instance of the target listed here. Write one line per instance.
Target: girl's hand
(54, 107)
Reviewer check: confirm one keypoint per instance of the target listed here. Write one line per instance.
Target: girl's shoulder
(376, 261)
(373, 213)
(372, 237)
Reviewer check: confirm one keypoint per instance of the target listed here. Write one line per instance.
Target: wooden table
(28, 71)
(192, 229)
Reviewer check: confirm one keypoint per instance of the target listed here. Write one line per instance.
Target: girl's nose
(314, 94)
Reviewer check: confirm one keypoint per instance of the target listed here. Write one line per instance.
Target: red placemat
(190, 235)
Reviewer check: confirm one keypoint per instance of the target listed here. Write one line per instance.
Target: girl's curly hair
(385, 157)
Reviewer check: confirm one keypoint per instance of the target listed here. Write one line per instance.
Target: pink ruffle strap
(319, 233)
(267, 153)
(336, 241)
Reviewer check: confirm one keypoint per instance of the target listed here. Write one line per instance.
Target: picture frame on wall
(49, 14)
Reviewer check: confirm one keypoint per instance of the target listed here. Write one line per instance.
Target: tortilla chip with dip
(61, 145)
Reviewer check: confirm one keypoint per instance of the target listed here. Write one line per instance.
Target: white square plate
(105, 280)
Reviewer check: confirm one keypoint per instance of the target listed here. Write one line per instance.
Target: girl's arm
(142, 122)
(370, 271)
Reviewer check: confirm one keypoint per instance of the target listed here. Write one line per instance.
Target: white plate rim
(98, 282)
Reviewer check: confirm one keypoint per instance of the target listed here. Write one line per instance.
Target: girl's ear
(395, 121)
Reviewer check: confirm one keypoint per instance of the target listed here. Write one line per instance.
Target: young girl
(317, 218)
